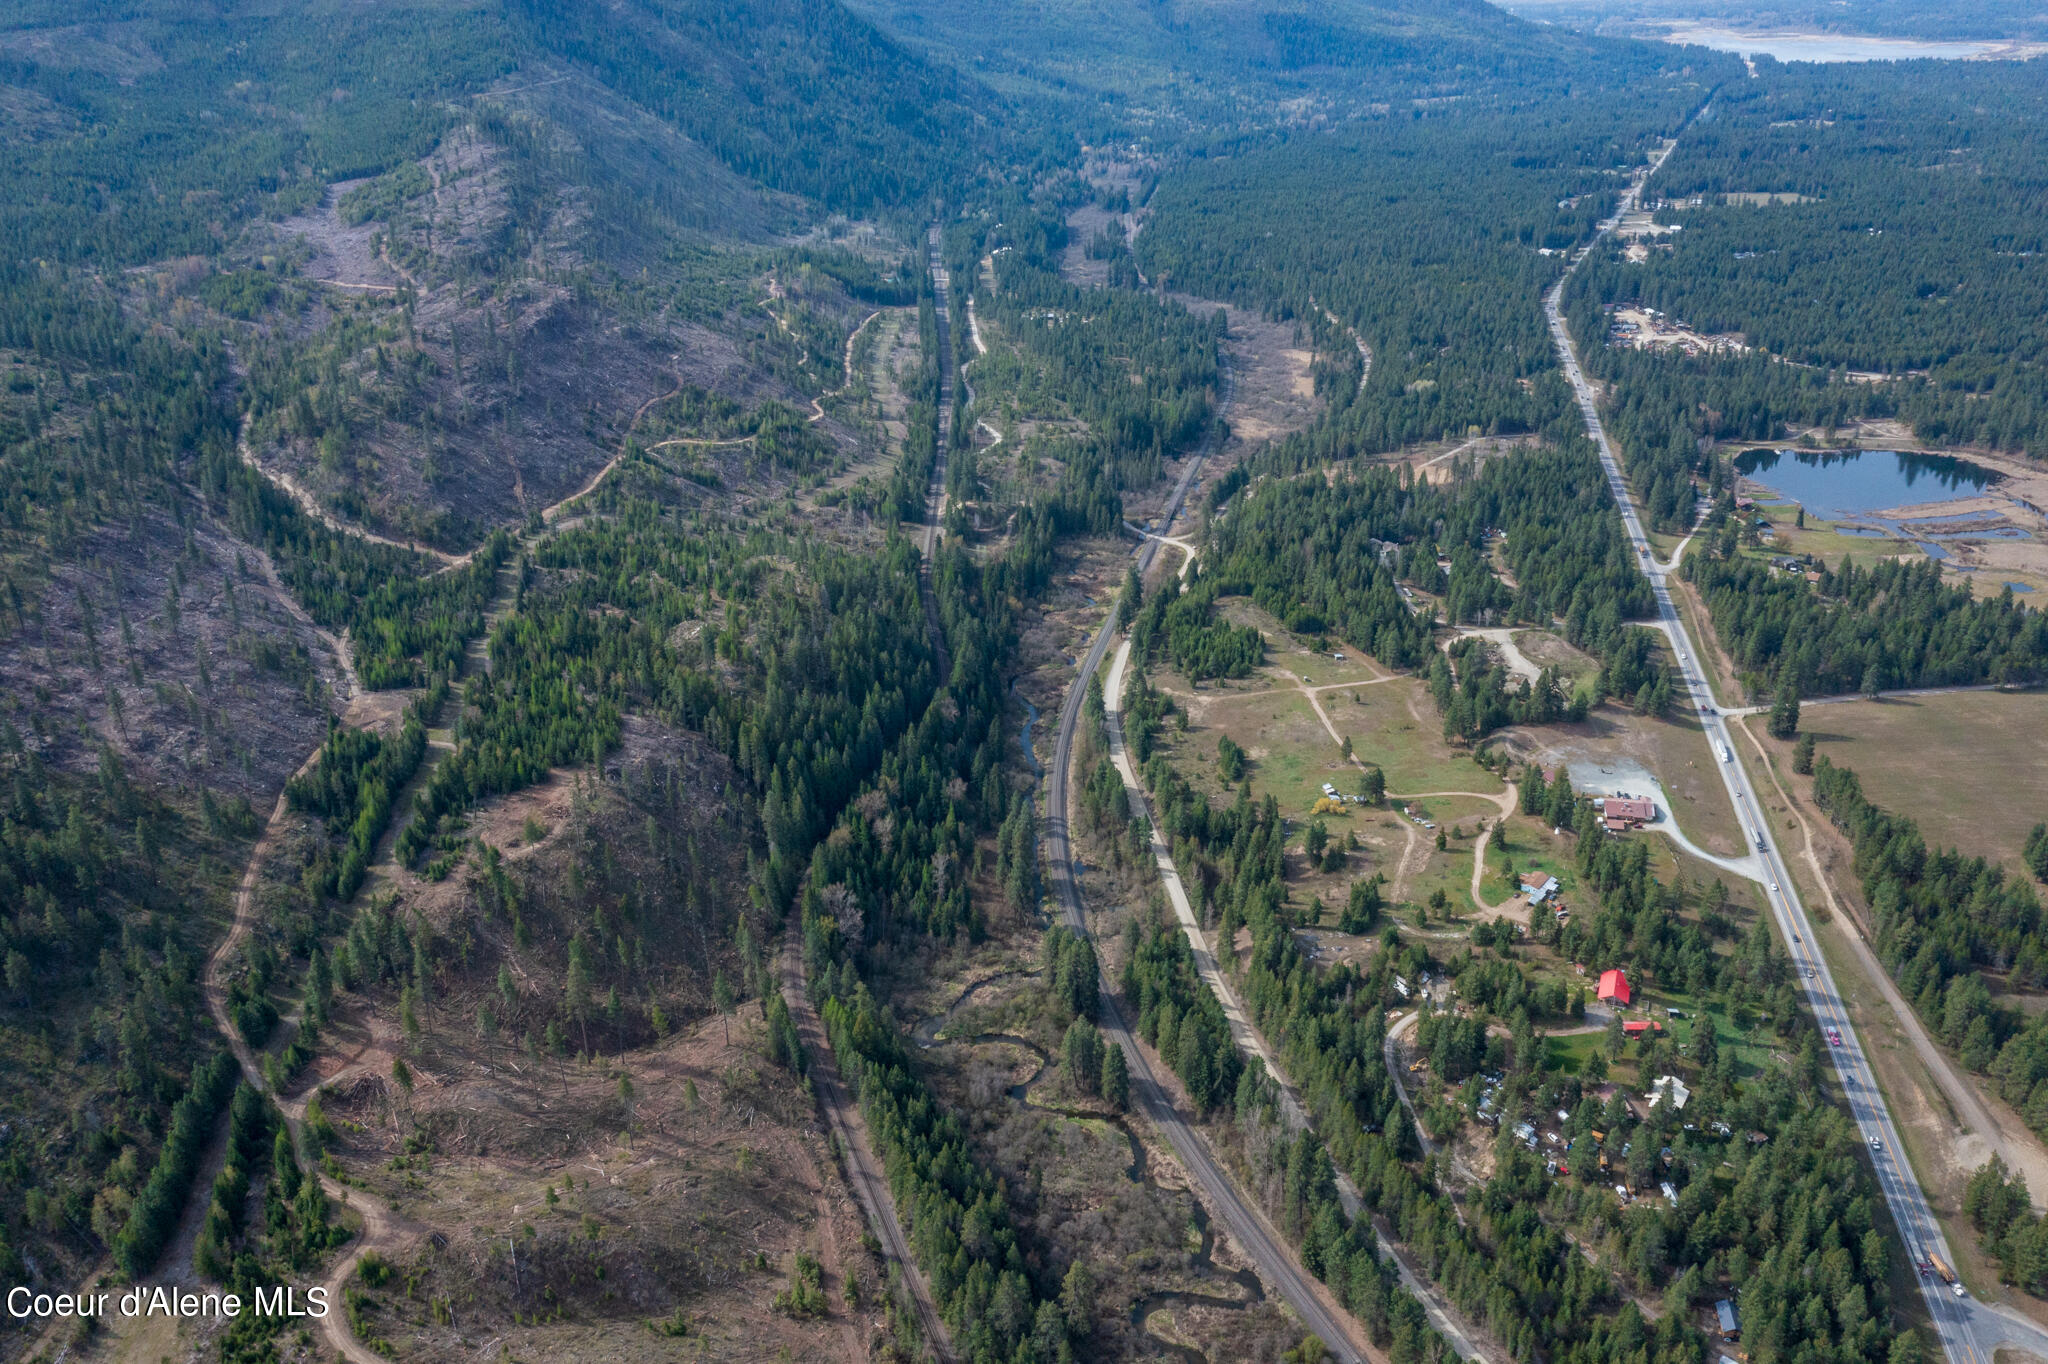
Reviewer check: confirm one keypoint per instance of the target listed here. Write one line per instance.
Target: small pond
(1838, 484)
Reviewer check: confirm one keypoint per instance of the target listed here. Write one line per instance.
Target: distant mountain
(235, 101)
(1231, 61)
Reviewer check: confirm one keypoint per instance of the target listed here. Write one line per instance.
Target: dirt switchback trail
(850, 1135)
(846, 370)
(383, 1230)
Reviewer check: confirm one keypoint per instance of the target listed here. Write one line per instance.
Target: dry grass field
(1970, 767)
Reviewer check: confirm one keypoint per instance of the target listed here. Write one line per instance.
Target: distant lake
(1837, 485)
(1828, 47)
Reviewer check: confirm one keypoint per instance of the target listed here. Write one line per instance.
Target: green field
(1534, 849)
(1820, 538)
(1451, 869)
(1290, 751)
(1754, 1046)
(1395, 725)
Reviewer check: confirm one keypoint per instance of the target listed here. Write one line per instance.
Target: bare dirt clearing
(543, 1191)
(184, 658)
(1675, 750)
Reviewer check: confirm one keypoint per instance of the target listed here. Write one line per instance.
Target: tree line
(1893, 624)
(1940, 921)
(1334, 556)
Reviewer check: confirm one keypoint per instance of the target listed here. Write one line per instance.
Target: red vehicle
(1834, 1038)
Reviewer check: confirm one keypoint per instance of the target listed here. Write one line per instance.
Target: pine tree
(1116, 1079)
(1784, 720)
(722, 1000)
(1082, 1053)
(2036, 852)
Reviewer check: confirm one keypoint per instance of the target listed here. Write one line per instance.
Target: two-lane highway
(1969, 1331)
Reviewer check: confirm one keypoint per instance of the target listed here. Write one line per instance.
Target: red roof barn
(1614, 987)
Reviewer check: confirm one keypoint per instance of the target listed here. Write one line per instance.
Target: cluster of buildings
(1559, 1163)
(1649, 328)
(1613, 989)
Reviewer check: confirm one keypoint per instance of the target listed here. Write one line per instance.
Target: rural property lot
(1675, 750)
(1970, 767)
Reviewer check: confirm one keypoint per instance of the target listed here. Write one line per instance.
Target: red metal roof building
(1613, 987)
(1626, 812)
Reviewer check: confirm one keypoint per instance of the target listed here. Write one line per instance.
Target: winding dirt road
(846, 367)
(383, 1230)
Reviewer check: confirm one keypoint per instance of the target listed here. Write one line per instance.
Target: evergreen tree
(1116, 1079)
(1372, 785)
(1784, 719)
(1082, 1052)
(2036, 852)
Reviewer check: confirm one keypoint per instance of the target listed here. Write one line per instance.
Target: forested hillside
(1442, 275)
(1204, 70)
(461, 628)
(274, 278)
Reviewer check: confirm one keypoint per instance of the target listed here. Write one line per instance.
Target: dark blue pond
(1834, 485)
